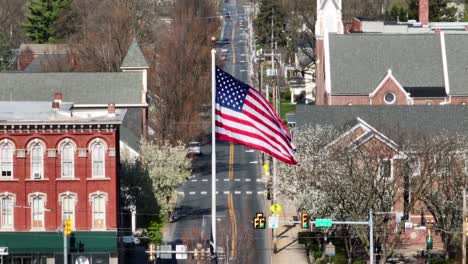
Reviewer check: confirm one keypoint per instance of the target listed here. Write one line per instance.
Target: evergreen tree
(438, 11)
(42, 17)
(270, 9)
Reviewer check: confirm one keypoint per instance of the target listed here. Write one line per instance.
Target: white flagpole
(213, 149)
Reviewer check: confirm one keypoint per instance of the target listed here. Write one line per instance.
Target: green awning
(52, 242)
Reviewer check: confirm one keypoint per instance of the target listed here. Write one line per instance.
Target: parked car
(193, 148)
(228, 15)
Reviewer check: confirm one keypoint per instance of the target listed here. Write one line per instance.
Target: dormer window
(389, 98)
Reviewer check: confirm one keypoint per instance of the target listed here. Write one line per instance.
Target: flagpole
(213, 149)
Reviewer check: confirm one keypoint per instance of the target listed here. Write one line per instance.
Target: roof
(48, 62)
(359, 62)
(130, 138)
(45, 48)
(43, 113)
(134, 57)
(411, 120)
(457, 62)
(81, 88)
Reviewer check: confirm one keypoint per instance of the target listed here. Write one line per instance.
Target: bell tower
(329, 16)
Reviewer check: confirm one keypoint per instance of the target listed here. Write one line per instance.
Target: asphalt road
(240, 189)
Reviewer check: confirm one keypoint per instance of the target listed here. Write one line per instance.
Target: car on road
(227, 15)
(193, 148)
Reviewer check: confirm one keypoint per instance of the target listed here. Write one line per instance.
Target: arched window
(37, 210)
(7, 202)
(98, 205)
(98, 155)
(37, 161)
(6, 152)
(68, 160)
(68, 201)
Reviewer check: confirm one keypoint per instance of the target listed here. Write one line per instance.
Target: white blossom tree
(167, 166)
(341, 178)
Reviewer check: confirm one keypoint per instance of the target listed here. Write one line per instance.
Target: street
(240, 188)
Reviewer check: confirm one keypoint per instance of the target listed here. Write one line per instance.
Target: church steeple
(329, 16)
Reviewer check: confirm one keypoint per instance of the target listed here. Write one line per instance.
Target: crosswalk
(223, 192)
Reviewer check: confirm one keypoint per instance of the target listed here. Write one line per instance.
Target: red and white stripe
(257, 126)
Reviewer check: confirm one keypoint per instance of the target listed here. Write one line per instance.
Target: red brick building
(57, 162)
(389, 64)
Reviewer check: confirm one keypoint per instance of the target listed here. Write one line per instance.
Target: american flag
(244, 116)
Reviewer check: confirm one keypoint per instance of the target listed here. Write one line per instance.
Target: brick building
(58, 161)
(389, 65)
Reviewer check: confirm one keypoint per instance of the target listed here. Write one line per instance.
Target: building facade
(57, 163)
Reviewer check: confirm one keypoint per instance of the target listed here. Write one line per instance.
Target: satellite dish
(82, 260)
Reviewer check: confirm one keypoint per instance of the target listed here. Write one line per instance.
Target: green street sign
(325, 222)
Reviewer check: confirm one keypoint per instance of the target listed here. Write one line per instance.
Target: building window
(37, 161)
(37, 211)
(68, 206)
(68, 158)
(389, 98)
(98, 201)
(385, 169)
(7, 206)
(98, 155)
(7, 159)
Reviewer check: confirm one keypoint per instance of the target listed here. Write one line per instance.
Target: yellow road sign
(275, 209)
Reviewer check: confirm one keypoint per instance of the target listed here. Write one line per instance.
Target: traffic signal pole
(464, 228)
(65, 251)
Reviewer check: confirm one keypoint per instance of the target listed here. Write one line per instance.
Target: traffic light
(305, 220)
(151, 250)
(68, 226)
(259, 221)
(466, 225)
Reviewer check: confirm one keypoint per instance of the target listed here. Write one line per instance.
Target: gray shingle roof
(457, 62)
(134, 57)
(81, 88)
(409, 120)
(359, 62)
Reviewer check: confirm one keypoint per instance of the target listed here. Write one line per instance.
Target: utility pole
(464, 228)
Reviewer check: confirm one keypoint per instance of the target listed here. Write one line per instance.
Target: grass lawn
(287, 107)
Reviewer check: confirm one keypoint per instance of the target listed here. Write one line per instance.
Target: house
(88, 90)
(423, 66)
(57, 161)
(395, 130)
(44, 57)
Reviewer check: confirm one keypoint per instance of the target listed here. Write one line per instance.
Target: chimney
(111, 109)
(424, 12)
(58, 97)
(55, 105)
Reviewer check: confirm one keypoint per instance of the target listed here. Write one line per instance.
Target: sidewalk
(289, 251)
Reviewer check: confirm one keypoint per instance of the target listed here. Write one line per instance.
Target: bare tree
(183, 70)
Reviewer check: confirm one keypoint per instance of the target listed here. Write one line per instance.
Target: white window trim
(8, 142)
(75, 199)
(91, 150)
(2, 195)
(30, 146)
(389, 102)
(31, 205)
(61, 145)
(106, 199)
(391, 167)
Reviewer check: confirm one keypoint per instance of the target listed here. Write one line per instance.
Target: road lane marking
(181, 193)
(253, 162)
(248, 192)
(217, 179)
(226, 179)
(250, 151)
(194, 180)
(204, 180)
(203, 192)
(243, 55)
(242, 70)
(237, 192)
(237, 179)
(258, 180)
(226, 192)
(247, 180)
(217, 192)
(231, 161)
(242, 61)
(260, 192)
(191, 193)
